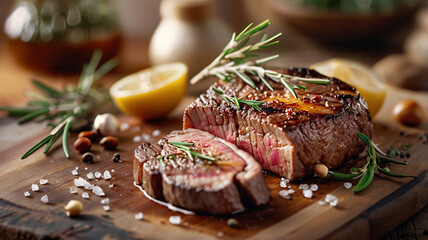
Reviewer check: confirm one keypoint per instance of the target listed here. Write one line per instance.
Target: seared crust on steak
(220, 187)
(289, 136)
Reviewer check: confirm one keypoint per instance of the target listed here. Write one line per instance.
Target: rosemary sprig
(64, 107)
(237, 102)
(238, 60)
(185, 147)
(366, 173)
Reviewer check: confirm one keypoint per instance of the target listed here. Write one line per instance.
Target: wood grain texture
(371, 213)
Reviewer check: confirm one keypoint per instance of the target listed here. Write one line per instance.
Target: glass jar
(59, 36)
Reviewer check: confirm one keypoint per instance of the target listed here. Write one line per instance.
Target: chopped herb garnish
(190, 152)
(238, 60)
(237, 102)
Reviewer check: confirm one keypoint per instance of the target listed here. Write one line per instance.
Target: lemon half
(151, 93)
(371, 87)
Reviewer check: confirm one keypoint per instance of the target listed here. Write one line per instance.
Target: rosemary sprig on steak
(185, 146)
(238, 102)
(238, 60)
(66, 107)
(366, 173)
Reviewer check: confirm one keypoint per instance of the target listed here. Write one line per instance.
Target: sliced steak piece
(224, 185)
(289, 136)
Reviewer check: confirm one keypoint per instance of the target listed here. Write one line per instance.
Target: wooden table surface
(14, 80)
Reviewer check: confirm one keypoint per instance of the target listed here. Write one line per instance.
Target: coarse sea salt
(86, 168)
(283, 184)
(220, 234)
(74, 172)
(43, 181)
(111, 185)
(90, 175)
(322, 203)
(73, 190)
(313, 187)
(139, 216)
(146, 137)
(331, 199)
(79, 182)
(290, 191)
(98, 174)
(85, 195)
(175, 220)
(136, 139)
(347, 185)
(156, 133)
(88, 186)
(124, 127)
(106, 208)
(307, 193)
(98, 191)
(34, 187)
(44, 199)
(105, 201)
(284, 194)
(304, 186)
(27, 193)
(106, 175)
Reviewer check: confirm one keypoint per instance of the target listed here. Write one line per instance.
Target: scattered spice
(109, 143)
(85, 195)
(106, 208)
(232, 222)
(88, 157)
(116, 158)
(82, 145)
(73, 208)
(74, 172)
(90, 175)
(91, 135)
(27, 193)
(331, 199)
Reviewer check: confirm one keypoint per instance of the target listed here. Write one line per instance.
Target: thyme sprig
(366, 172)
(238, 60)
(185, 146)
(64, 107)
(252, 103)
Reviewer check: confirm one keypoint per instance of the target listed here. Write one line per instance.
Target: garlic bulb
(106, 124)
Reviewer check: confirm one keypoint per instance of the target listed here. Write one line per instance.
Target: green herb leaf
(45, 88)
(366, 179)
(65, 137)
(388, 173)
(37, 146)
(33, 114)
(343, 176)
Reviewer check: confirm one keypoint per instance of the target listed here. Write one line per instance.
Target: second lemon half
(151, 93)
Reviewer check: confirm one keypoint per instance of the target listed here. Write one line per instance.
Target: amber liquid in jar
(60, 36)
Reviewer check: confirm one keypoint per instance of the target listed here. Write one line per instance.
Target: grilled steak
(224, 185)
(288, 136)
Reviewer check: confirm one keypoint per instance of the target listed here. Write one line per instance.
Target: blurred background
(51, 39)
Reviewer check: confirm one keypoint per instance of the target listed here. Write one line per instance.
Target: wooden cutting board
(369, 214)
